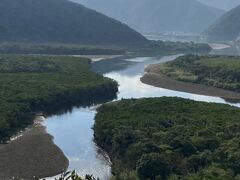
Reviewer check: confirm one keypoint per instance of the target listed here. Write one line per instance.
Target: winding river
(73, 132)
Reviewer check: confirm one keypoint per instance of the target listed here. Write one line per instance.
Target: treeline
(156, 48)
(51, 49)
(149, 48)
(170, 138)
(31, 84)
(218, 71)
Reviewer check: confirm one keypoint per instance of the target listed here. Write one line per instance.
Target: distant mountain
(60, 21)
(221, 4)
(225, 28)
(158, 15)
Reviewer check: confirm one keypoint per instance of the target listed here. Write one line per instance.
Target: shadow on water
(86, 103)
(109, 65)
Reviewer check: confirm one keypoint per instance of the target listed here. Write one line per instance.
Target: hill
(226, 28)
(158, 16)
(60, 21)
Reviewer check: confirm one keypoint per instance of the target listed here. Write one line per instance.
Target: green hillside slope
(60, 21)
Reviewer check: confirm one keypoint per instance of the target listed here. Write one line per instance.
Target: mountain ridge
(226, 28)
(60, 21)
(158, 16)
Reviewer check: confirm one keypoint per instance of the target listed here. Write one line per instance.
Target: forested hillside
(60, 21)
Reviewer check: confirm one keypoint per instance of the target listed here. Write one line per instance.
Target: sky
(222, 4)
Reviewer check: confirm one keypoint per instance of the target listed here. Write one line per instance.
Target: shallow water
(73, 132)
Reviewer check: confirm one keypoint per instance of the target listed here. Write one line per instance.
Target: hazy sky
(223, 4)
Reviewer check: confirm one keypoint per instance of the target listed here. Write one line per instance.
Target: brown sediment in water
(153, 77)
(32, 154)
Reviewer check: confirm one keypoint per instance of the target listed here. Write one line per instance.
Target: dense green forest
(218, 71)
(170, 138)
(30, 84)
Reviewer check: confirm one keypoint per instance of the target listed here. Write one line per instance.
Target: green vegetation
(218, 71)
(170, 138)
(150, 48)
(156, 48)
(31, 84)
(57, 49)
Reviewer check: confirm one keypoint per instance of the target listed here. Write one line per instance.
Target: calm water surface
(73, 132)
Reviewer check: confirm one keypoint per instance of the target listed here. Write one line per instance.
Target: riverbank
(153, 77)
(218, 46)
(33, 153)
(48, 84)
(96, 58)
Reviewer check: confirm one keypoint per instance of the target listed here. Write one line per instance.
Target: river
(72, 131)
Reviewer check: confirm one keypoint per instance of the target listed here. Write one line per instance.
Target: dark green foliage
(61, 21)
(153, 165)
(57, 49)
(218, 71)
(154, 48)
(149, 48)
(166, 138)
(31, 84)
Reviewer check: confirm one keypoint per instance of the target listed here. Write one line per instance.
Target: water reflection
(73, 132)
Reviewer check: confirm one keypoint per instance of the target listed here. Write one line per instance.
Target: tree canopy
(170, 138)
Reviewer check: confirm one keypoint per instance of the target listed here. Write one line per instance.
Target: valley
(119, 89)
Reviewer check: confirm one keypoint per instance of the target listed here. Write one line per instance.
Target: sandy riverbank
(96, 58)
(218, 46)
(154, 78)
(31, 154)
